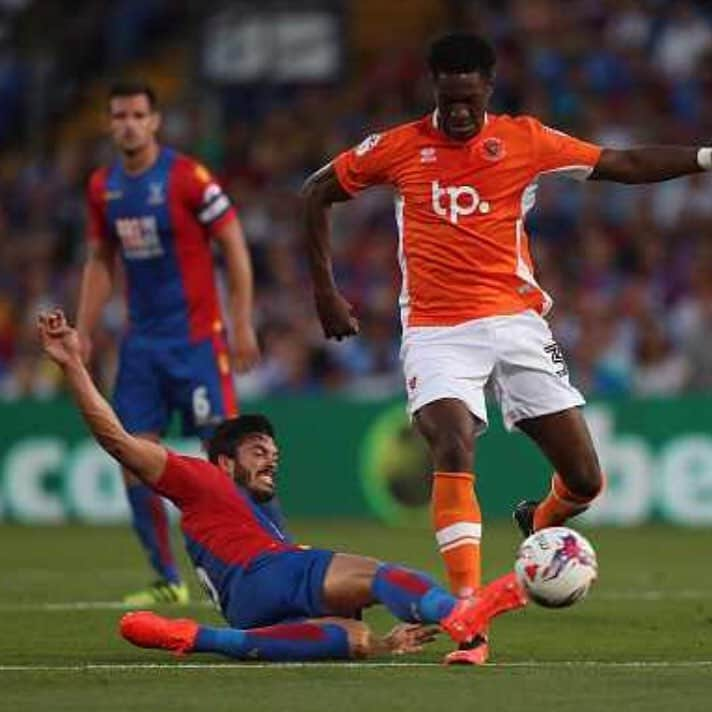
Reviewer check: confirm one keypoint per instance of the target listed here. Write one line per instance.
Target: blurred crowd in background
(630, 268)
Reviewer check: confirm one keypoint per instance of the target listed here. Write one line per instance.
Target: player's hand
(247, 352)
(59, 340)
(408, 638)
(336, 315)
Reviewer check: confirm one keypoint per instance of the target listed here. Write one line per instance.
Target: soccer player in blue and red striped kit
(282, 602)
(161, 212)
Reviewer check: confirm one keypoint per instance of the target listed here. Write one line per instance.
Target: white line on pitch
(631, 595)
(81, 606)
(104, 667)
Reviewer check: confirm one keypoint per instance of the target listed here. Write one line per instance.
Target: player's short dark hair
(132, 87)
(230, 433)
(462, 53)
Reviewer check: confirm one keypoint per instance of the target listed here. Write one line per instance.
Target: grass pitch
(641, 641)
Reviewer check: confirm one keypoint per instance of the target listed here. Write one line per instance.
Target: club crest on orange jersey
(492, 149)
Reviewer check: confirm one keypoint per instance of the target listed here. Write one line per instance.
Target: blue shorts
(158, 377)
(277, 588)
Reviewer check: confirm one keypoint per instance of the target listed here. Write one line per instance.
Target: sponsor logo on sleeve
(368, 144)
(202, 173)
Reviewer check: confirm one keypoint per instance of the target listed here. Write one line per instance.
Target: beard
(248, 480)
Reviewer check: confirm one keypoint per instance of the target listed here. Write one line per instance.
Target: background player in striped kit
(161, 212)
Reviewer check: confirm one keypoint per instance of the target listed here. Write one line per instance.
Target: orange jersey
(460, 209)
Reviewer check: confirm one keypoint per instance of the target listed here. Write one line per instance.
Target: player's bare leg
(151, 525)
(450, 429)
(354, 582)
(566, 441)
(348, 583)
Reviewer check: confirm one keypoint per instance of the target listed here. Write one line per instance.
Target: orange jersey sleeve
(369, 163)
(555, 151)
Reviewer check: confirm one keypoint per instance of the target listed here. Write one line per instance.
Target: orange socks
(458, 529)
(560, 504)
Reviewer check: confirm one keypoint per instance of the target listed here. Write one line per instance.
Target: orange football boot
(471, 617)
(148, 630)
(475, 652)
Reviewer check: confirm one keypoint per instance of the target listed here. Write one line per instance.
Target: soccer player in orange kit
(464, 180)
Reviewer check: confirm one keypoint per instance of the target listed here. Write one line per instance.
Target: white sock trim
(465, 540)
(704, 159)
(459, 530)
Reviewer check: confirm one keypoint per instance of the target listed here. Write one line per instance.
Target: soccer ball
(556, 566)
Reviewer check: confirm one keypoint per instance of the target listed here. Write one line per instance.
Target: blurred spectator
(659, 370)
(683, 40)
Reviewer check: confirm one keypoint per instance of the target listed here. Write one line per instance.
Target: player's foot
(159, 592)
(148, 630)
(476, 652)
(471, 617)
(523, 516)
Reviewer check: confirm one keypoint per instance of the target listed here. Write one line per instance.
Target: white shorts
(516, 354)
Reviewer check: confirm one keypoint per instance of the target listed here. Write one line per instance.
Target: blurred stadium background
(264, 92)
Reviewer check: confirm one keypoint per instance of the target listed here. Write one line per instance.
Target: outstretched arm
(319, 192)
(61, 343)
(650, 164)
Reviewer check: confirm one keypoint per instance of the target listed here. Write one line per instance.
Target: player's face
(133, 123)
(256, 466)
(462, 101)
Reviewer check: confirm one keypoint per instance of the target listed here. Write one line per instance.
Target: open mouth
(266, 477)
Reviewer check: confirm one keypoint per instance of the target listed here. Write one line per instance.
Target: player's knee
(593, 483)
(453, 451)
(587, 480)
(360, 638)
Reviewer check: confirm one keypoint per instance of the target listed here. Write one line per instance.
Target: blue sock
(151, 524)
(288, 641)
(411, 595)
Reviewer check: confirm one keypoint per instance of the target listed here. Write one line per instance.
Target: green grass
(639, 641)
